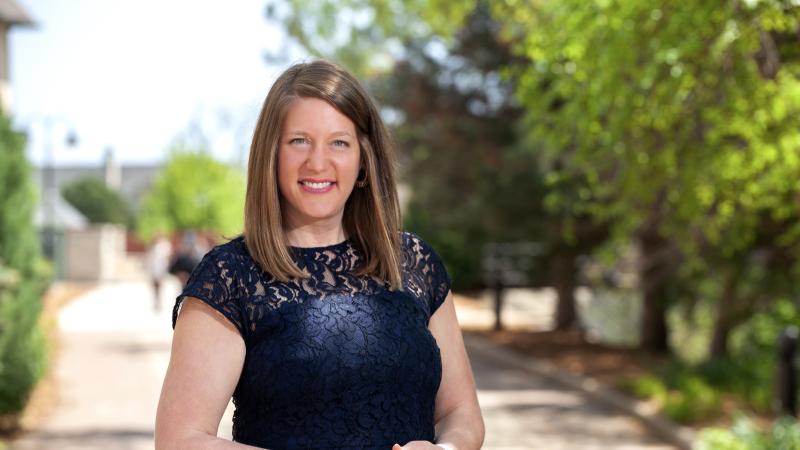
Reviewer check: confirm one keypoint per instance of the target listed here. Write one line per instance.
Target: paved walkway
(115, 351)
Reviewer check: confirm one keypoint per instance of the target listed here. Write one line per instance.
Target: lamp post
(49, 194)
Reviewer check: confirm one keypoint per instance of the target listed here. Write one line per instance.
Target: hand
(417, 445)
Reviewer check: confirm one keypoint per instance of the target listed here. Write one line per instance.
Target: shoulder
(233, 249)
(412, 241)
(413, 244)
(231, 256)
(426, 269)
(418, 254)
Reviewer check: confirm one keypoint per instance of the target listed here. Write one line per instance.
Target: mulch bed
(569, 351)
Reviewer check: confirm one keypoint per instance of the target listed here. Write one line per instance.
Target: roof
(65, 215)
(12, 13)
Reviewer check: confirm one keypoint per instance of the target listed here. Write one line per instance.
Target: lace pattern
(335, 360)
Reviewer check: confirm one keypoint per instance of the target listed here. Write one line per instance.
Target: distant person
(329, 326)
(157, 259)
(188, 255)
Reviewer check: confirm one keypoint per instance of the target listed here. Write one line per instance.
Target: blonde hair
(371, 215)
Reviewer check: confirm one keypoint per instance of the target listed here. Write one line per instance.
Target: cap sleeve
(437, 279)
(214, 282)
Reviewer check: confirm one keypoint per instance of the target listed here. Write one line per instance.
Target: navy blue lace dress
(335, 361)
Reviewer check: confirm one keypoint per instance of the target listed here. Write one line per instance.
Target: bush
(22, 345)
(744, 435)
(22, 278)
(683, 392)
(96, 201)
(646, 387)
(692, 400)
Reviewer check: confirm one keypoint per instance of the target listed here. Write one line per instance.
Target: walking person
(157, 262)
(187, 256)
(329, 326)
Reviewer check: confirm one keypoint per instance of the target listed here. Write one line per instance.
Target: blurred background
(613, 185)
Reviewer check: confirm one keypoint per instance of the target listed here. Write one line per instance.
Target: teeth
(317, 185)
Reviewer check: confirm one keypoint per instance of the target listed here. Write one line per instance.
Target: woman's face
(318, 162)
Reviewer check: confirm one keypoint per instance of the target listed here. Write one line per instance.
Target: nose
(316, 158)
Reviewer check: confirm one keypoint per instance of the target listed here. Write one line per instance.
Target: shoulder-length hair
(371, 214)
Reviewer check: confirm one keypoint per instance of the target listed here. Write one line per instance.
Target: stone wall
(95, 253)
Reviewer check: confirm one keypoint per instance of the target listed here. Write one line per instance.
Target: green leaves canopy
(194, 192)
(666, 104)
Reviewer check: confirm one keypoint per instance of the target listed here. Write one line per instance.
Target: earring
(362, 182)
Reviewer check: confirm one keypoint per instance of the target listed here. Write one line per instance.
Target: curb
(646, 413)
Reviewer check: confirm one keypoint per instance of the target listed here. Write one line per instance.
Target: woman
(328, 326)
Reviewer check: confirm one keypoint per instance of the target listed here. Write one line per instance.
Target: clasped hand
(417, 445)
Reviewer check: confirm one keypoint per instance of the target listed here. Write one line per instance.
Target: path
(115, 352)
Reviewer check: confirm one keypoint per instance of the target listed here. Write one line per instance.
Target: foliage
(675, 124)
(19, 245)
(684, 396)
(23, 277)
(96, 201)
(755, 343)
(744, 435)
(193, 191)
(692, 400)
(453, 116)
(644, 387)
(23, 356)
(370, 34)
(682, 117)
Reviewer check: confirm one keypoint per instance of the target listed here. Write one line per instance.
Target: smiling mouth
(317, 185)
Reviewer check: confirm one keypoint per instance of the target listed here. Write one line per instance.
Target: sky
(133, 75)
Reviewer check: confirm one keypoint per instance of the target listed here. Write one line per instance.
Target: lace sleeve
(437, 279)
(213, 281)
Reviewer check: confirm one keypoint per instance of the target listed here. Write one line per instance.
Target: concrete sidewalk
(115, 351)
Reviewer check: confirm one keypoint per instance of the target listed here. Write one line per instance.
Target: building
(132, 181)
(11, 14)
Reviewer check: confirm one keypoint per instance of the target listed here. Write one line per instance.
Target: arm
(205, 364)
(458, 417)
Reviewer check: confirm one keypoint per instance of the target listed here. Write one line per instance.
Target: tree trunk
(655, 274)
(564, 279)
(726, 318)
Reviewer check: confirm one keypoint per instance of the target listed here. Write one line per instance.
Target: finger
(397, 447)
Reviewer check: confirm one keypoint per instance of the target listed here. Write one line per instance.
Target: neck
(319, 234)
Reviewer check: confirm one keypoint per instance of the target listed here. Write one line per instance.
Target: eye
(298, 140)
(341, 143)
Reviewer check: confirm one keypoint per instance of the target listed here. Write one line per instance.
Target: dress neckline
(339, 245)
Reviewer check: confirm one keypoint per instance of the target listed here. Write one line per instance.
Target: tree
(473, 179)
(682, 116)
(96, 201)
(193, 191)
(22, 279)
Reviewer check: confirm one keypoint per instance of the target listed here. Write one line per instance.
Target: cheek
(351, 166)
(286, 170)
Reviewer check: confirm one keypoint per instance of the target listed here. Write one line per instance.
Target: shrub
(645, 387)
(22, 346)
(683, 392)
(22, 278)
(96, 201)
(692, 400)
(744, 435)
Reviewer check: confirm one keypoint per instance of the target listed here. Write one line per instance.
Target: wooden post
(786, 389)
(498, 305)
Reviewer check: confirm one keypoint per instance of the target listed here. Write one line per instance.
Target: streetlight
(49, 189)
